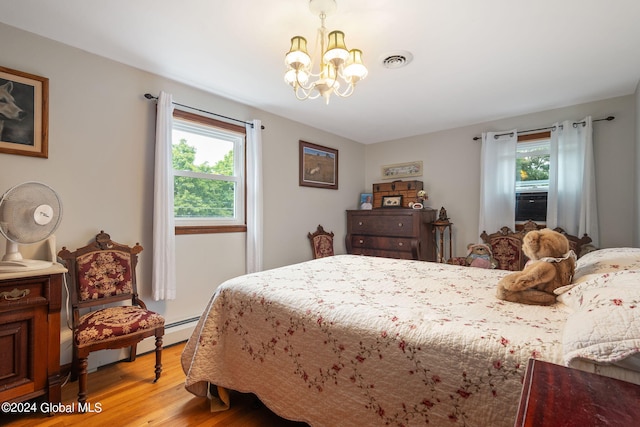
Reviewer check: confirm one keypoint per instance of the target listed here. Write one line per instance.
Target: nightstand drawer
(23, 292)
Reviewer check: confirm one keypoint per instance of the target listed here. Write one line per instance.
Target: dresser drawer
(384, 243)
(383, 253)
(393, 225)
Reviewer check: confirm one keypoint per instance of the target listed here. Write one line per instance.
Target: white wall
(636, 234)
(101, 138)
(452, 167)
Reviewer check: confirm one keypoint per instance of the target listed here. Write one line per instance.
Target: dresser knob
(399, 224)
(400, 244)
(359, 222)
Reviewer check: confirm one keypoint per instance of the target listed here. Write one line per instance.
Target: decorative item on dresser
(30, 304)
(392, 233)
(408, 190)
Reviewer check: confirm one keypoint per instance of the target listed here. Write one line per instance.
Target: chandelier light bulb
(297, 57)
(296, 77)
(336, 52)
(355, 69)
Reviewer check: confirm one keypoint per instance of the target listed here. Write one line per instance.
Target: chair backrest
(506, 246)
(102, 272)
(577, 244)
(321, 243)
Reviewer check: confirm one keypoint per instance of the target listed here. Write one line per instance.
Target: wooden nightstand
(30, 334)
(553, 395)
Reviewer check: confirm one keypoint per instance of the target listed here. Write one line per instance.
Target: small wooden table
(553, 395)
(440, 227)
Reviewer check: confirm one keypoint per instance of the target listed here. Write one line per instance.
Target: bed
(362, 341)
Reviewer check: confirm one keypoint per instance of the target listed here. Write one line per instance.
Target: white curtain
(571, 203)
(164, 257)
(498, 181)
(254, 197)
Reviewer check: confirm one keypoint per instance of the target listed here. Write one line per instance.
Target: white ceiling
(474, 61)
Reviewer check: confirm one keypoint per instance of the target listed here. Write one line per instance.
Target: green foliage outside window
(200, 197)
(533, 168)
(532, 162)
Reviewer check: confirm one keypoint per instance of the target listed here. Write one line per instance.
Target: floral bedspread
(364, 341)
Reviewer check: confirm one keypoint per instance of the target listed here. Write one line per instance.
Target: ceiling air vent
(396, 59)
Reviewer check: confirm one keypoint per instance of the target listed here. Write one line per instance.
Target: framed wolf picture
(24, 113)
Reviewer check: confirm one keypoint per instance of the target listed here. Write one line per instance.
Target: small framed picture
(366, 201)
(402, 170)
(392, 201)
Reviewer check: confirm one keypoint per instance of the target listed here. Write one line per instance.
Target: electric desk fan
(29, 213)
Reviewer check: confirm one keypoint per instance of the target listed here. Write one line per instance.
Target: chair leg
(158, 358)
(83, 362)
(132, 353)
(74, 368)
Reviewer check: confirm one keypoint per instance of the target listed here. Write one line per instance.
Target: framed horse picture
(318, 166)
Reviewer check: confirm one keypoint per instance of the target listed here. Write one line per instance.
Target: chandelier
(336, 66)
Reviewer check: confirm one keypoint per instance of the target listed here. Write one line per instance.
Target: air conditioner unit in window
(531, 206)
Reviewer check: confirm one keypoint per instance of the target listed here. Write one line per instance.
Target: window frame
(530, 138)
(209, 225)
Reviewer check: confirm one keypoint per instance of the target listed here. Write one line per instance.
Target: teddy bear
(551, 265)
(479, 255)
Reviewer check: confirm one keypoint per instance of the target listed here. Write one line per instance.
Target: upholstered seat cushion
(110, 323)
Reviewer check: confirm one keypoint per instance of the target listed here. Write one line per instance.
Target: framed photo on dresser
(392, 201)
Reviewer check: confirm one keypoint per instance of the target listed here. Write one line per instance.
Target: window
(208, 171)
(532, 176)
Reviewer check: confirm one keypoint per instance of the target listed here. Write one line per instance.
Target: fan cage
(18, 207)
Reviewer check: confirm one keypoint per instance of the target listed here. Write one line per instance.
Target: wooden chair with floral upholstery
(321, 243)
(104, 273)
(506, 246)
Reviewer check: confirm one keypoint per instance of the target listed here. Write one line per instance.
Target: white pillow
(601, 262)
(605, 324)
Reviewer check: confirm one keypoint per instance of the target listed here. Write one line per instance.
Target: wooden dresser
(30, 334)
(553, 395)
(392, 233)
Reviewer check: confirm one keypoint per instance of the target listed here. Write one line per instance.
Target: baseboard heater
(181, 322)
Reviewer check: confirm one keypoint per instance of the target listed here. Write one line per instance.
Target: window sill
(192, 229)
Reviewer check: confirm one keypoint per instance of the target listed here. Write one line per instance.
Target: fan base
(23, 265)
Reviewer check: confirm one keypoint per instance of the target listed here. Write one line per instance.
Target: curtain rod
(149, 96)
(609, 118)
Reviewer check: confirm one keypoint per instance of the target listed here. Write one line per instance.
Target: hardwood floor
(126, 396)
